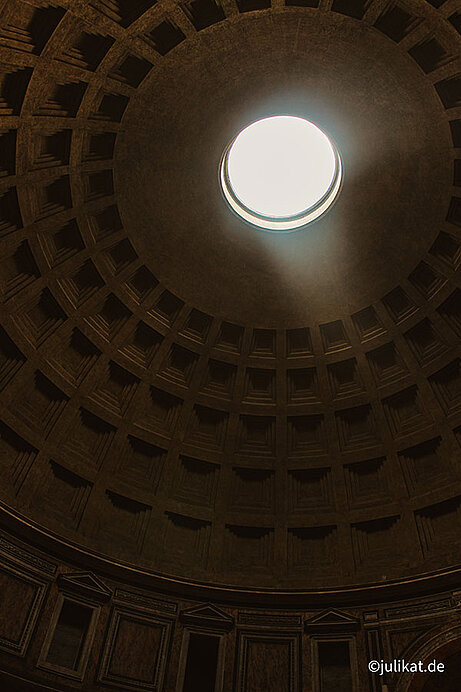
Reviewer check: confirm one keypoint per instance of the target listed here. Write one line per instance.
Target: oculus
(280, 173)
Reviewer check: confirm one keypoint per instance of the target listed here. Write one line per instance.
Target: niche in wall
(334, 651)
(201, 665)
(334, 666)
(68, 642)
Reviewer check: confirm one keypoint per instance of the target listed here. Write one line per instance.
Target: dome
(182, 395)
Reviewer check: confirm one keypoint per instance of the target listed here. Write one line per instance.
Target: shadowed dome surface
(186, 395)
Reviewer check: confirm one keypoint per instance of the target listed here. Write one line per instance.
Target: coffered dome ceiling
(190, 395)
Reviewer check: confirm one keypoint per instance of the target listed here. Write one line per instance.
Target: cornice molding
(359, 594)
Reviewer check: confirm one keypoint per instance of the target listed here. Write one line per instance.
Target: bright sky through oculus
(278, 169)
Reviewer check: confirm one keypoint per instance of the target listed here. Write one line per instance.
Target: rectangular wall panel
(136, 651)
(21, 597)
(268, 662)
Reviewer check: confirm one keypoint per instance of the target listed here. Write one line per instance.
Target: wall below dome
(113, 634)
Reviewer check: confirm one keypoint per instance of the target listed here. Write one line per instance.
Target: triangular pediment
(84, 583)
(333, 619)
(209, 616)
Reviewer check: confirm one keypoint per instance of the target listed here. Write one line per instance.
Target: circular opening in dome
(280, 173)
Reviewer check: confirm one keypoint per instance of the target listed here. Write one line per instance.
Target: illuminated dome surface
(280, 173)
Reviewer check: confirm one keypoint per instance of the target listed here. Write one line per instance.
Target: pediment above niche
(332, 621)
(207, 616)
(84, 584)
